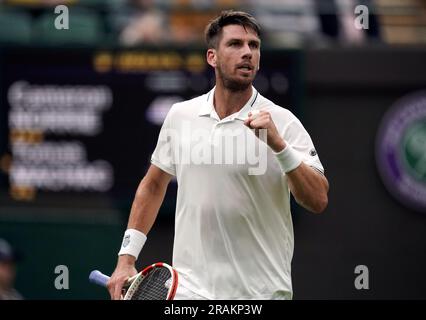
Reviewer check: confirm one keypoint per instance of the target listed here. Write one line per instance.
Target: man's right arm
(146, 204)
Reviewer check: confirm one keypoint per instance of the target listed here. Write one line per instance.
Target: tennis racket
(158, 281)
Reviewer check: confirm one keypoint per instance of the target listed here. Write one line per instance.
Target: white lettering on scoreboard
(63, 111)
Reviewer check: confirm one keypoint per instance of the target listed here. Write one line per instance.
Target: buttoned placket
(240, 115)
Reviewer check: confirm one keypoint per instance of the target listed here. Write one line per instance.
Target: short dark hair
(228, 17)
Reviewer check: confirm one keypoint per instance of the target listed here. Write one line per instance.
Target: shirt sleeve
(163, 155)
(297, 136)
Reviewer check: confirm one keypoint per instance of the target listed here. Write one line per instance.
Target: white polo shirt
(233, 231)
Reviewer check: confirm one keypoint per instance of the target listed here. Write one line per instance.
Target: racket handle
(98, 278)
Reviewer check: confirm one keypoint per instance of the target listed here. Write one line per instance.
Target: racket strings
(153, 286)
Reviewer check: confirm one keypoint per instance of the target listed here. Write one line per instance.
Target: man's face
(237, 57)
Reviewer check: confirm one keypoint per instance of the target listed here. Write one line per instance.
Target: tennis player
(233, 230)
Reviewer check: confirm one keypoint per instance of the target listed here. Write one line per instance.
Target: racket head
(158, 281)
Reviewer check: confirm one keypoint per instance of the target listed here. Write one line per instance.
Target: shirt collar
(207, 109)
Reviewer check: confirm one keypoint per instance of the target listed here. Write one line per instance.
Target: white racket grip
(98, 278)
(101, 279)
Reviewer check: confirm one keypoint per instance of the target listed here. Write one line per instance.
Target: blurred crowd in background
(286, 23)
(8, 260)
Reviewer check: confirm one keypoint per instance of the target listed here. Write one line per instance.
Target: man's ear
(211, 57)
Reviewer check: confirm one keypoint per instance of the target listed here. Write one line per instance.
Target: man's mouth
(245, 66)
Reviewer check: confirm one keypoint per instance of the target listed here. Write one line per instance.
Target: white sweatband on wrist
(288, 159)
(133, 242)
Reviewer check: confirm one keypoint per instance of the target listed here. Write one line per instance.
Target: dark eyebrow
(234, 40)
(239, 40)
(255, 41)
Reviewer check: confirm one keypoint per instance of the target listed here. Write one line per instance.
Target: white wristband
(288, 159)
(133, 242)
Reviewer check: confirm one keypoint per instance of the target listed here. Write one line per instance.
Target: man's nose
(247, 54)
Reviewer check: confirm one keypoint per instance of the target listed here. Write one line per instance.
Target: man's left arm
(308, 186)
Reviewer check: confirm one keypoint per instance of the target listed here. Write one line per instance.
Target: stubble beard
(233, 85)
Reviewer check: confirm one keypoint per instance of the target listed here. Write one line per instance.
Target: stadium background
(80, 110)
